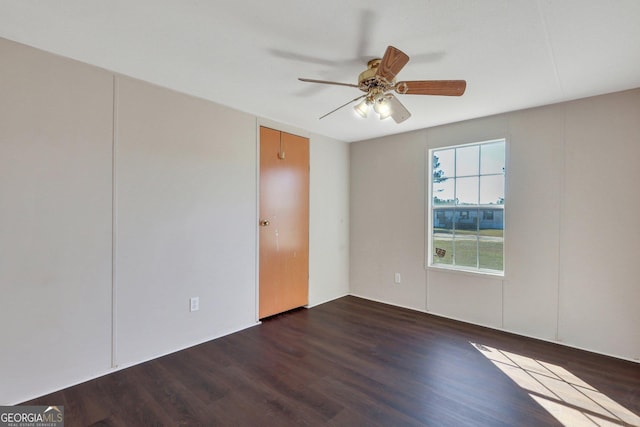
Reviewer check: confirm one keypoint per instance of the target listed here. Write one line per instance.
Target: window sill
(475, 273)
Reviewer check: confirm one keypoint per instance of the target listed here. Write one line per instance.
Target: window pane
(491, 221)
(442, 246)
(442, 219)
(466, 219)
(492, 158)
(467, 160)
(467, 191)
(492, 190)
(490, 252)
(443, 163)
(443, 192)
(466, 250)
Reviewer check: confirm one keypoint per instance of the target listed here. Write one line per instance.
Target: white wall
(185, 209)
(600, 236)
(329, 220)
(387, 229)
(570, 237)
(55, 221)
(110, 223)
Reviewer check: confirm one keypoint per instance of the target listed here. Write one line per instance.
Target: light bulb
(383, 108)
(385, 114)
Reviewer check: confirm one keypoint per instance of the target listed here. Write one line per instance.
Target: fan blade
(432, 87)
(326, 82)
(398, 111)
(343, 105)
(392, 62)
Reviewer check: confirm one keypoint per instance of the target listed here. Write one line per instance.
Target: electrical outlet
(194, 304)
(398, 278)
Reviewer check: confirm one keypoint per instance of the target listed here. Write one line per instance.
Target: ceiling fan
(378, 80)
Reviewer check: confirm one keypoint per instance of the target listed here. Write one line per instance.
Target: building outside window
(467, 189)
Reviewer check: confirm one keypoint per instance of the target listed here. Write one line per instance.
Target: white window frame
(429, 265)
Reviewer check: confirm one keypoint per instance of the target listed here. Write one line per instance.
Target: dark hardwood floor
(353, 362)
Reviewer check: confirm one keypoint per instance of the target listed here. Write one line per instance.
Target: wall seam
(561, 215)
(114, 226)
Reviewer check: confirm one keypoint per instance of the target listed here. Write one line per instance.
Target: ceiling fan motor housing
(369, 81)
(369, 78)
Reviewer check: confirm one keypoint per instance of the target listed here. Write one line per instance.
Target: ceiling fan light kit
(380, 106)
(379, 79)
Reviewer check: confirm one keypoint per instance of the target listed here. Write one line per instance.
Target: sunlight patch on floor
(570, 400)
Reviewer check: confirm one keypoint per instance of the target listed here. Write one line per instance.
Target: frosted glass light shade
(362, 108)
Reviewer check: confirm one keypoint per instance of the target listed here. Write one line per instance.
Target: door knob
(264, 223)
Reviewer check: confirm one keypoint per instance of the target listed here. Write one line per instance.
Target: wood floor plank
(354, 362)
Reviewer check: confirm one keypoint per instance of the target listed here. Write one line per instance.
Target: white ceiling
(248, 55)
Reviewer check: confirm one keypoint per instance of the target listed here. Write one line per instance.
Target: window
(466, 229)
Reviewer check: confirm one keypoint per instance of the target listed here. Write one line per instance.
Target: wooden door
(284, 222)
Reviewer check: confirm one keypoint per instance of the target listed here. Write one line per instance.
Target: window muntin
(467, 187)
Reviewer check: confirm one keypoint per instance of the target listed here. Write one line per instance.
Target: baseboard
(562, 343)
(128, 365)
(389, 303)
(326, 301)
